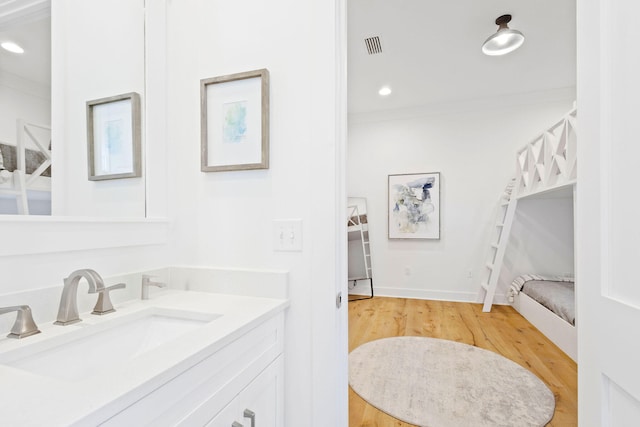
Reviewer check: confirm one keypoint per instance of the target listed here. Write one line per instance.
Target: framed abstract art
(414, 206)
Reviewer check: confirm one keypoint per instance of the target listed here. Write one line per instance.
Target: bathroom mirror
(75, 57)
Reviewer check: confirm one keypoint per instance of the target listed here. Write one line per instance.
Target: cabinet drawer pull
(248, 413)
(236, 424)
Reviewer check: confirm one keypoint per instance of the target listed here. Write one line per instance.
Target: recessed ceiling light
(384, 91)
(12, 47)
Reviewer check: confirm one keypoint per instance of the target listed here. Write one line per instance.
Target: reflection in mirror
(98, 51)
(25, 107)
(75, 57)
(359, 249)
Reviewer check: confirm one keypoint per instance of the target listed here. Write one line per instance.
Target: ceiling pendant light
(504, 41)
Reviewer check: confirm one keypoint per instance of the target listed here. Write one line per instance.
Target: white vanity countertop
(29, 399)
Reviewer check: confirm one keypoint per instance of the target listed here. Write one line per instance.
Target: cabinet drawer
(263, 397)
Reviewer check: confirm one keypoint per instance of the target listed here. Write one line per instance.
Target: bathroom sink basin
(92, 347)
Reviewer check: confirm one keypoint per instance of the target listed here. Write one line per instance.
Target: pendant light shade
(504, 41)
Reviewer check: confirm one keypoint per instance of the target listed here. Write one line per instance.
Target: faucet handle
(104, 304)
(146, 280)
(24, 325)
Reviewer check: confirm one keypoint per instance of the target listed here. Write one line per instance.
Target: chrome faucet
(24, 325)
(68, 311)
(146, 282)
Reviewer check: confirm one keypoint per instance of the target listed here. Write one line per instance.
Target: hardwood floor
(503, 331)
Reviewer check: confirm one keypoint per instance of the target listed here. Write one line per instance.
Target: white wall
(29, 101)
(22, 273)
(226, 218)
(21, 99)
(25, 99)
(99, 52)
(474, 151)
(541, 240)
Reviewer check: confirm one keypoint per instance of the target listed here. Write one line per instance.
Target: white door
(328, 224)
(608, 213)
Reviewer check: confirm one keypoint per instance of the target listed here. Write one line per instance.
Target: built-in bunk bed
(25, 173)
(546, 170)
(359, 248)
(548, 302)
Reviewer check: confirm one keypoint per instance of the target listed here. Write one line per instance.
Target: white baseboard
(455, 296)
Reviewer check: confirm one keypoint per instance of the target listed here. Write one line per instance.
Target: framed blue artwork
(235, 122)
(114, 136)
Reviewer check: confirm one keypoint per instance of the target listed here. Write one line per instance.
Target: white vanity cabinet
(245, 373)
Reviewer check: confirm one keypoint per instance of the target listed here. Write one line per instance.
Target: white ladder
(21, 181)
(355, 221)
(366, 250)
(504, 221)
(24, 132)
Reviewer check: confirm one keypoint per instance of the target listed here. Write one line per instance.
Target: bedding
(554, 293)
(33, 159)
(556, 296)
(354, 220)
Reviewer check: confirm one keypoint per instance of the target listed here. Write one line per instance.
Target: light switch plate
(287, 235)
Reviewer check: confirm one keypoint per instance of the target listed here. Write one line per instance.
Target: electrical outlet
(469, 275)
(407, 271)
(287, 235)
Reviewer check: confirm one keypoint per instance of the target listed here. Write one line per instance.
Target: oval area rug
(440, 383)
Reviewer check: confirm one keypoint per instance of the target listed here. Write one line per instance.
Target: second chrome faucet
(68, 310)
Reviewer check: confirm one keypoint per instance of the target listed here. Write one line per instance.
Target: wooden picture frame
(414, 206)
(114, 135)
(235, 122)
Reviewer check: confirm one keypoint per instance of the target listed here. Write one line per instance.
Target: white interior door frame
(342, 314)
(328, 233)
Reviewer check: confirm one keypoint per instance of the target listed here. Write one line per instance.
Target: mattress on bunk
(556, 296)
(354, 220)
(33, 159)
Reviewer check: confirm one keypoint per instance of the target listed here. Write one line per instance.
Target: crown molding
(499, 102)
(19, 12)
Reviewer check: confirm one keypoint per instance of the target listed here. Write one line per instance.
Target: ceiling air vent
(373, 45)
